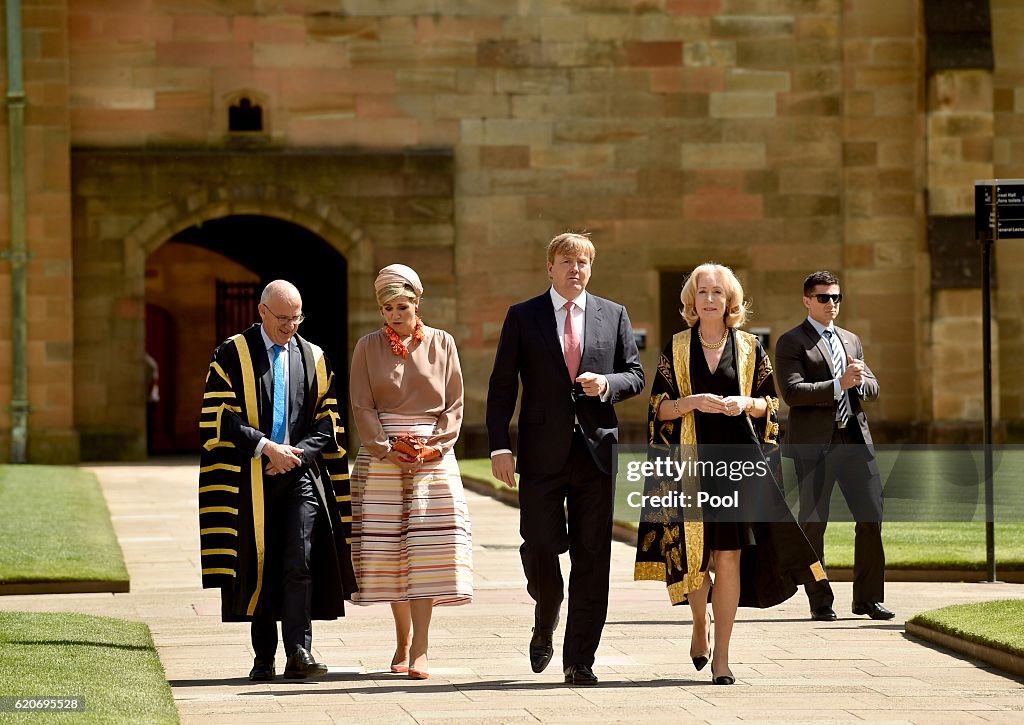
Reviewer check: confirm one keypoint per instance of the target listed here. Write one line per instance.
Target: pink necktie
(572, 344)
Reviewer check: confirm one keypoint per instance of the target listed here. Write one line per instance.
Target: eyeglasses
(823, 299)
(284, 318)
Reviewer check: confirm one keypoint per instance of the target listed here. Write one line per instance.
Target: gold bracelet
(675, 403)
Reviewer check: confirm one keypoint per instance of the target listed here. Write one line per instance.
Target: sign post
(998, 214)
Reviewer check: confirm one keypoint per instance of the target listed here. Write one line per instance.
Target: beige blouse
(427, 382)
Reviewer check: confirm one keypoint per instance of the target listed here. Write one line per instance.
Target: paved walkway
(788, 668)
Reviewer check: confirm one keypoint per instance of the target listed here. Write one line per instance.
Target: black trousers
(850, 462)
(569, 511)
(291, 507)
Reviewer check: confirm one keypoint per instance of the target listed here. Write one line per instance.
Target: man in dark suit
(576, 357)
(274, 501)
(823, 379)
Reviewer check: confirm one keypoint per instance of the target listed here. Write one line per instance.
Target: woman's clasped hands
(724, 405)
(408, 453)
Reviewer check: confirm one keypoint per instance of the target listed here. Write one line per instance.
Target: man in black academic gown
(274, 503)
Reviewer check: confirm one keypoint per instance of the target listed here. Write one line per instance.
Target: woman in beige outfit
(412, 542)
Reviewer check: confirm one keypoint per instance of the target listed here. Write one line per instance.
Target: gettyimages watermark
(744, 482)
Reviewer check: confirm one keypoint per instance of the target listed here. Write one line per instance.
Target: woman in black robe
(713, 410)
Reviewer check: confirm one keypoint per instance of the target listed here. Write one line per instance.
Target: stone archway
(127, 203)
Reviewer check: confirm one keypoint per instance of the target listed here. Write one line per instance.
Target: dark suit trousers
(851, 463)
(587, 495)
(291, 505)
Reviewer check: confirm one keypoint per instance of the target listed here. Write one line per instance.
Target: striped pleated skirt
(411, 536)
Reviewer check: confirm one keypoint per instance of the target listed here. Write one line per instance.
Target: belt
(842, 424)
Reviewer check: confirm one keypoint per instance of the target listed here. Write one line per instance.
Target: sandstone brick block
(742, 105)
(741, 79)
(736, 26)
(682, 80)
(204, 28)
(881, 18)
(656, 26)
(579, 157)
(294, 29)
(712, 53)
(818, 27)
(501, 132)
(892, 52)
(693, 7)
(393, 7)
(300, 55)
(442, 29)
(723, 156)
(860, 153)
(550, 106)
(808, 104)
(797, 205)
(206, 55)
(723, 203)
(654, 53)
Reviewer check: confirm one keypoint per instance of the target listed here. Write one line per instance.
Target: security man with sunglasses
(823, 379)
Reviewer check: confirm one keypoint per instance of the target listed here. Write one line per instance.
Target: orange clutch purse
(407, 446)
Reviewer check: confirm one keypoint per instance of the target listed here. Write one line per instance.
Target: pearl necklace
(713, 345)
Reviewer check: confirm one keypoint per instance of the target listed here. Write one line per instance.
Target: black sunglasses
(837, 298)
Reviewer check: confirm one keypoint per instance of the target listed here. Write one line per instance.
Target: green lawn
(908, 544)
(996, 624)
(56, 527)
(110, 662)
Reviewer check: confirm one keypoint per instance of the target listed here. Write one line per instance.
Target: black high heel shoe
(701, 661)
(722, 679)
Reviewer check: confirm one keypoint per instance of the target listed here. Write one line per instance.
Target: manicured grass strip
(995, 624)
(950, 545)
(56, 527)
(110, 662)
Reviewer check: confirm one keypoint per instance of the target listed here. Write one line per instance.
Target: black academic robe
(238, 556)
(672, 549)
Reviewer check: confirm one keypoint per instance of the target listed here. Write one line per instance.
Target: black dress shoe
(302, 666)
(823, 614)
(541, 649)
(262, 670)
(875, 610)
(580, 675)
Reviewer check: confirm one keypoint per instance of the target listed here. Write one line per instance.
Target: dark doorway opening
(265, 248)
(670, 284)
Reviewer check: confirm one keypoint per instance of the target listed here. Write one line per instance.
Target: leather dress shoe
(875, 610)
(262, 670)
(541, 649)
(580, 675)
(302, 666)
(823, 614)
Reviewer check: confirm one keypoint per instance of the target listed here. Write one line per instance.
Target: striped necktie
(278, 431)
(839, 365)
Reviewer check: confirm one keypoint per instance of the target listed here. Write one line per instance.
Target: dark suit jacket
(804, 372)
(529, 350)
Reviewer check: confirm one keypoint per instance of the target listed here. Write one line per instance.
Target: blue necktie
(843, 409)
(278, 431)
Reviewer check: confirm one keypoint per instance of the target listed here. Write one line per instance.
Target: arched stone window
(245, 116)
